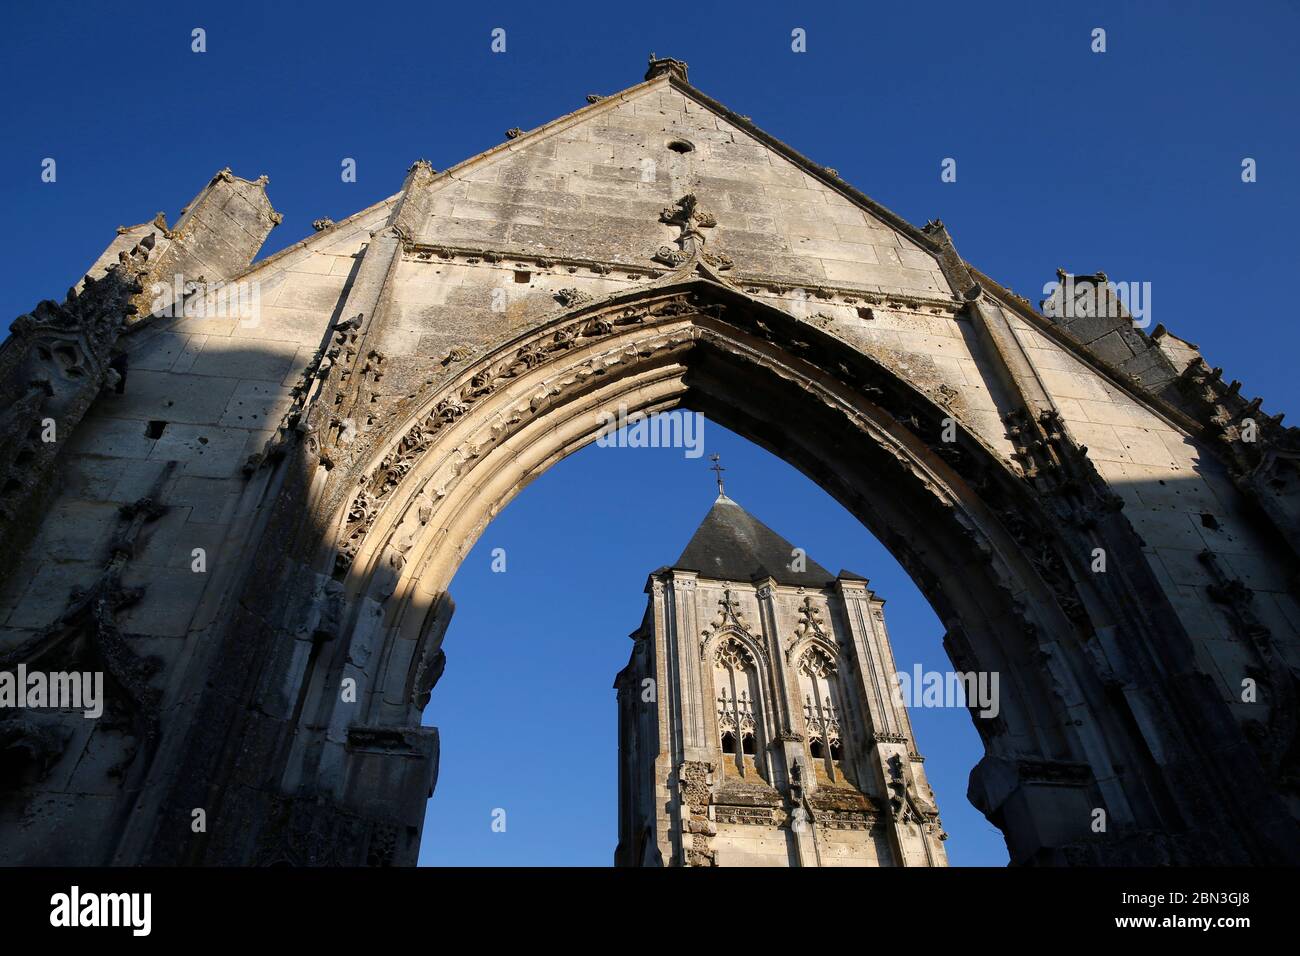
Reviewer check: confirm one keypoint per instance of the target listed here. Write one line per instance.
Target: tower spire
(717, 469)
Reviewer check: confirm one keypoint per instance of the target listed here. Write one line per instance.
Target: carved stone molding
(87, 633)
(730, 620)
(550, 264)
(846, 820)
(377, 485)
(458, 399)
(58, 360)
(750, 816)
(1274, 739)
(695, 786)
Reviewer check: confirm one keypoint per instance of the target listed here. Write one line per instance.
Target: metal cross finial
(718, 470)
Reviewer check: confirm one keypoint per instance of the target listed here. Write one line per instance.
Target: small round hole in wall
(681, 146)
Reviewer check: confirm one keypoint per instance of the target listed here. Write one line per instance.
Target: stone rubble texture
(336, 452)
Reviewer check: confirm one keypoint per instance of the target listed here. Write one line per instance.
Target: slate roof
(732, 545)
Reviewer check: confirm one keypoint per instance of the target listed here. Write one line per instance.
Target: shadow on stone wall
(222, 683)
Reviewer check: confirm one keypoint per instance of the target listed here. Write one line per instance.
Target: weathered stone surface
(407, 370)
(757, 662)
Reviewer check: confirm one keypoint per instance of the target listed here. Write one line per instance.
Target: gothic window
(740, 707)
(821, 708)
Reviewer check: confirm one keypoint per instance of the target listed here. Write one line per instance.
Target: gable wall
(594, 187)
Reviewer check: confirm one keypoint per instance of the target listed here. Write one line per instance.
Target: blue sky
(1127, 162)
(526, 709)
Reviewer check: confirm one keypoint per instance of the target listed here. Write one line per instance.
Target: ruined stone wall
(588, 206)
(201, 394)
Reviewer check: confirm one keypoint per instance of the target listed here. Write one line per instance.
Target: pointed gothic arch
(407, 432)
(1005, 575)
(742, 712)
(713, 637)
(812, 638)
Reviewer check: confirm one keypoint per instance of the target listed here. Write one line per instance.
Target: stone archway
(1100, 690)
(280, 694)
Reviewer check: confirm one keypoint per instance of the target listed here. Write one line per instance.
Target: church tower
(759, 718)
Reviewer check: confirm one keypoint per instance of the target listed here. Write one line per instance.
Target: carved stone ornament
(462, 395)
(670, 256)
(687, 213)
(572, 297)
(457, 353)
(695, 781)
(810, 627)
(729, 619)
(59, 359)
(87, 633)
(689, 217)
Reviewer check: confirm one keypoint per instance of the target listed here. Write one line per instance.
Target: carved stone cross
(687, 216)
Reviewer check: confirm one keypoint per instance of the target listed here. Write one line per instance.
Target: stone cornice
(428, 252)
(829, 293)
